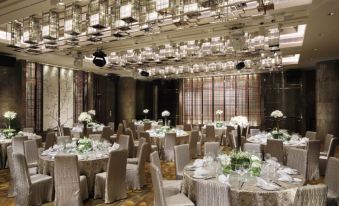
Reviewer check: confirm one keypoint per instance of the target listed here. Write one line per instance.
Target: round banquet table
(88, 167)
(248, 195)
(181, 138)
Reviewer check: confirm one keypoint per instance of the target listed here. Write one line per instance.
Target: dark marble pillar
(126, 99)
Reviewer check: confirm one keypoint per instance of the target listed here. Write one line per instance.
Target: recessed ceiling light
(331, 14)
(315, 49)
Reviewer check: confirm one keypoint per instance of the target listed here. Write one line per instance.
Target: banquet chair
(50, 140)
(311, 135)
(327, 142)
(210, 134)
(234, 141)
(135, 173)
(28, 129)
(275, 148)
(133, 128)
(31, 153)
(332, 181)
(213, 193)
(111, 125)
(18, 144)
(254, 132)
(179, 126)
(124, 142)
(323, 159)
(120, 131)
(160, 199)
(212, 149)
(151, 147)
(313, 151)
(134, 160)
(133, 145)
(170, 142)
(147, 126)
(297, 159)
(97, 137)
(253, 148)
(124, 123)
(181, 159)
(31, 190)
(63, 139)
(111, 185)
(11, 186)
(187, 127)
(66, 131)
(193, 144)
(171, 187)
(107, 132)
(169, 123)
(70, 188)
(311, 195)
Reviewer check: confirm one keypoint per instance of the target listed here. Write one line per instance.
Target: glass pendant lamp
(31, 30)
(15, 30)
(50, 25)
(98, 14)
(72, 25)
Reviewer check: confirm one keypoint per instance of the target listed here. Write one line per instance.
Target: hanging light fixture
(32, 31)
(129, 11)
(50, 25)
(72, 25)
(15, 30)
(163, 6)
(98, 11)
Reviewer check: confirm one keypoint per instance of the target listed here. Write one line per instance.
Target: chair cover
(327, 142)
(124, 142)
(120, 131)
(151, 147)
(131, 145)
(124, 123)
(134, 160)
(209, 193)
(107, 132)
(97, 137)
(31, 153)
(31, 190)
(111, 125)
(332, 181)
(70, 188)
(50, 140)
(181, 159)
(18, 144)
(311, 135)
(311, 195)
(330, 153)
(252, 148)
(112, 184)
(210, 133)
(275, 148)
(297, 159)
(63, 139)
(212, 149)
(193, 144)
(135, 175)
(28, 130)
(170, 142)
(11, 187)
(313, 151)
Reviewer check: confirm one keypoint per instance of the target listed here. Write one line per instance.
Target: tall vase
(165, 123)
(9, 124)
(85, 129)
(239, 138)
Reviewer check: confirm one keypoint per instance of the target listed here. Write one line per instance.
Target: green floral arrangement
(239, 159)
(280, 134)
(84, 145)
(146, 120)
(219, 124)
(9, 133)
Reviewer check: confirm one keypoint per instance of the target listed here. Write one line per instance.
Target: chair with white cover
(275, 148)
(134, 160)
(327, 142)
(171, 187)
(50, 140)
(193, 143)
(170, 142)
(212, 149)
(332, 181)
(96, 137)
(120, 131)
(70, 188)
(107, 132)
(124, 142)
(132, 145)
(135, 174)
(311, 195)
(124, 123)
(111, 125)
(253, 148)
(33, 190)
(311, 135)
(160, 198)
(210, 134)
(297, 159)
(11, 186)
(323, 159)
(111, 185)
(151, 147)
(133, 128)
(28, 130)
(181, 159)
(213, 193)
(31, 153)
(233, 139)
(18, 144)
(63, 139)
(313, 151)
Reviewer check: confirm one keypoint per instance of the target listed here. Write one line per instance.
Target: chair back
(311, 195)
(192, 142)
(63, 139)
(133, 128)
(66, 131)
(97, 137)
(331, 149)
(22, 180)
(179, 126)
(141, 163)
(116, 175)
(120, 131)
(31, 152)
(212, 148)
(327, 142)
(111, 125)
(107, 132)
(11, 189)
(28, 129)
(181, 158)
(130, 143)
(154, 156)
(311, 135)
(67, 180)
(147, 126)
(159, 195)
(313, 153)
(332, 177)
(50, 140)
(210, 133)
(124, 142)
(170, 142)
(297, 159)
(140, 143)
(213, 193)
(253, 148)
(18, 144)
(124, 123)
(275, 148)
(234, 139)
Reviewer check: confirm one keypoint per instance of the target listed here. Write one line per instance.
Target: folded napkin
(263, 184)
(288, 171)
(115, 146)
(223, 179)
(198, 163)
(285, 178)
(201, 172)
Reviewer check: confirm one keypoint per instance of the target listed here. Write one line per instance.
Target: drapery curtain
(234, 95)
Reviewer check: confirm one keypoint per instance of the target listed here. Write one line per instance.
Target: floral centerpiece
(237, 160)
(145, 111)
(165, 114)
(9, 132)
(92, 112)
(84, 145)
(85, 118)
(239, 122)
(276, 132)
(219, 113)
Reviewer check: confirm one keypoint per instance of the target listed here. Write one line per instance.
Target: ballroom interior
(169, 102)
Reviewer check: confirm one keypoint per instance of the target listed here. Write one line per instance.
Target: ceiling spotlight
(144, 73)
(331, 13)
(240, 65)
(99, 58)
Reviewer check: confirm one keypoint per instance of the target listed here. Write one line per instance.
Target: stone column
(327, 98)
(126, 99)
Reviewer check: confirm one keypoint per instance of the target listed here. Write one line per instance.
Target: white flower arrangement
(219, 112)
(10, 115)
(239, 121)
(85, 117)
(165, 113)
(92, 112)
(277, 114)
(145, 111)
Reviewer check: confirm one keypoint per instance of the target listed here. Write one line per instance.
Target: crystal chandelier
(98, 14)
(31, 30)
(72, 25)
(15, 29)
(50, 25)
